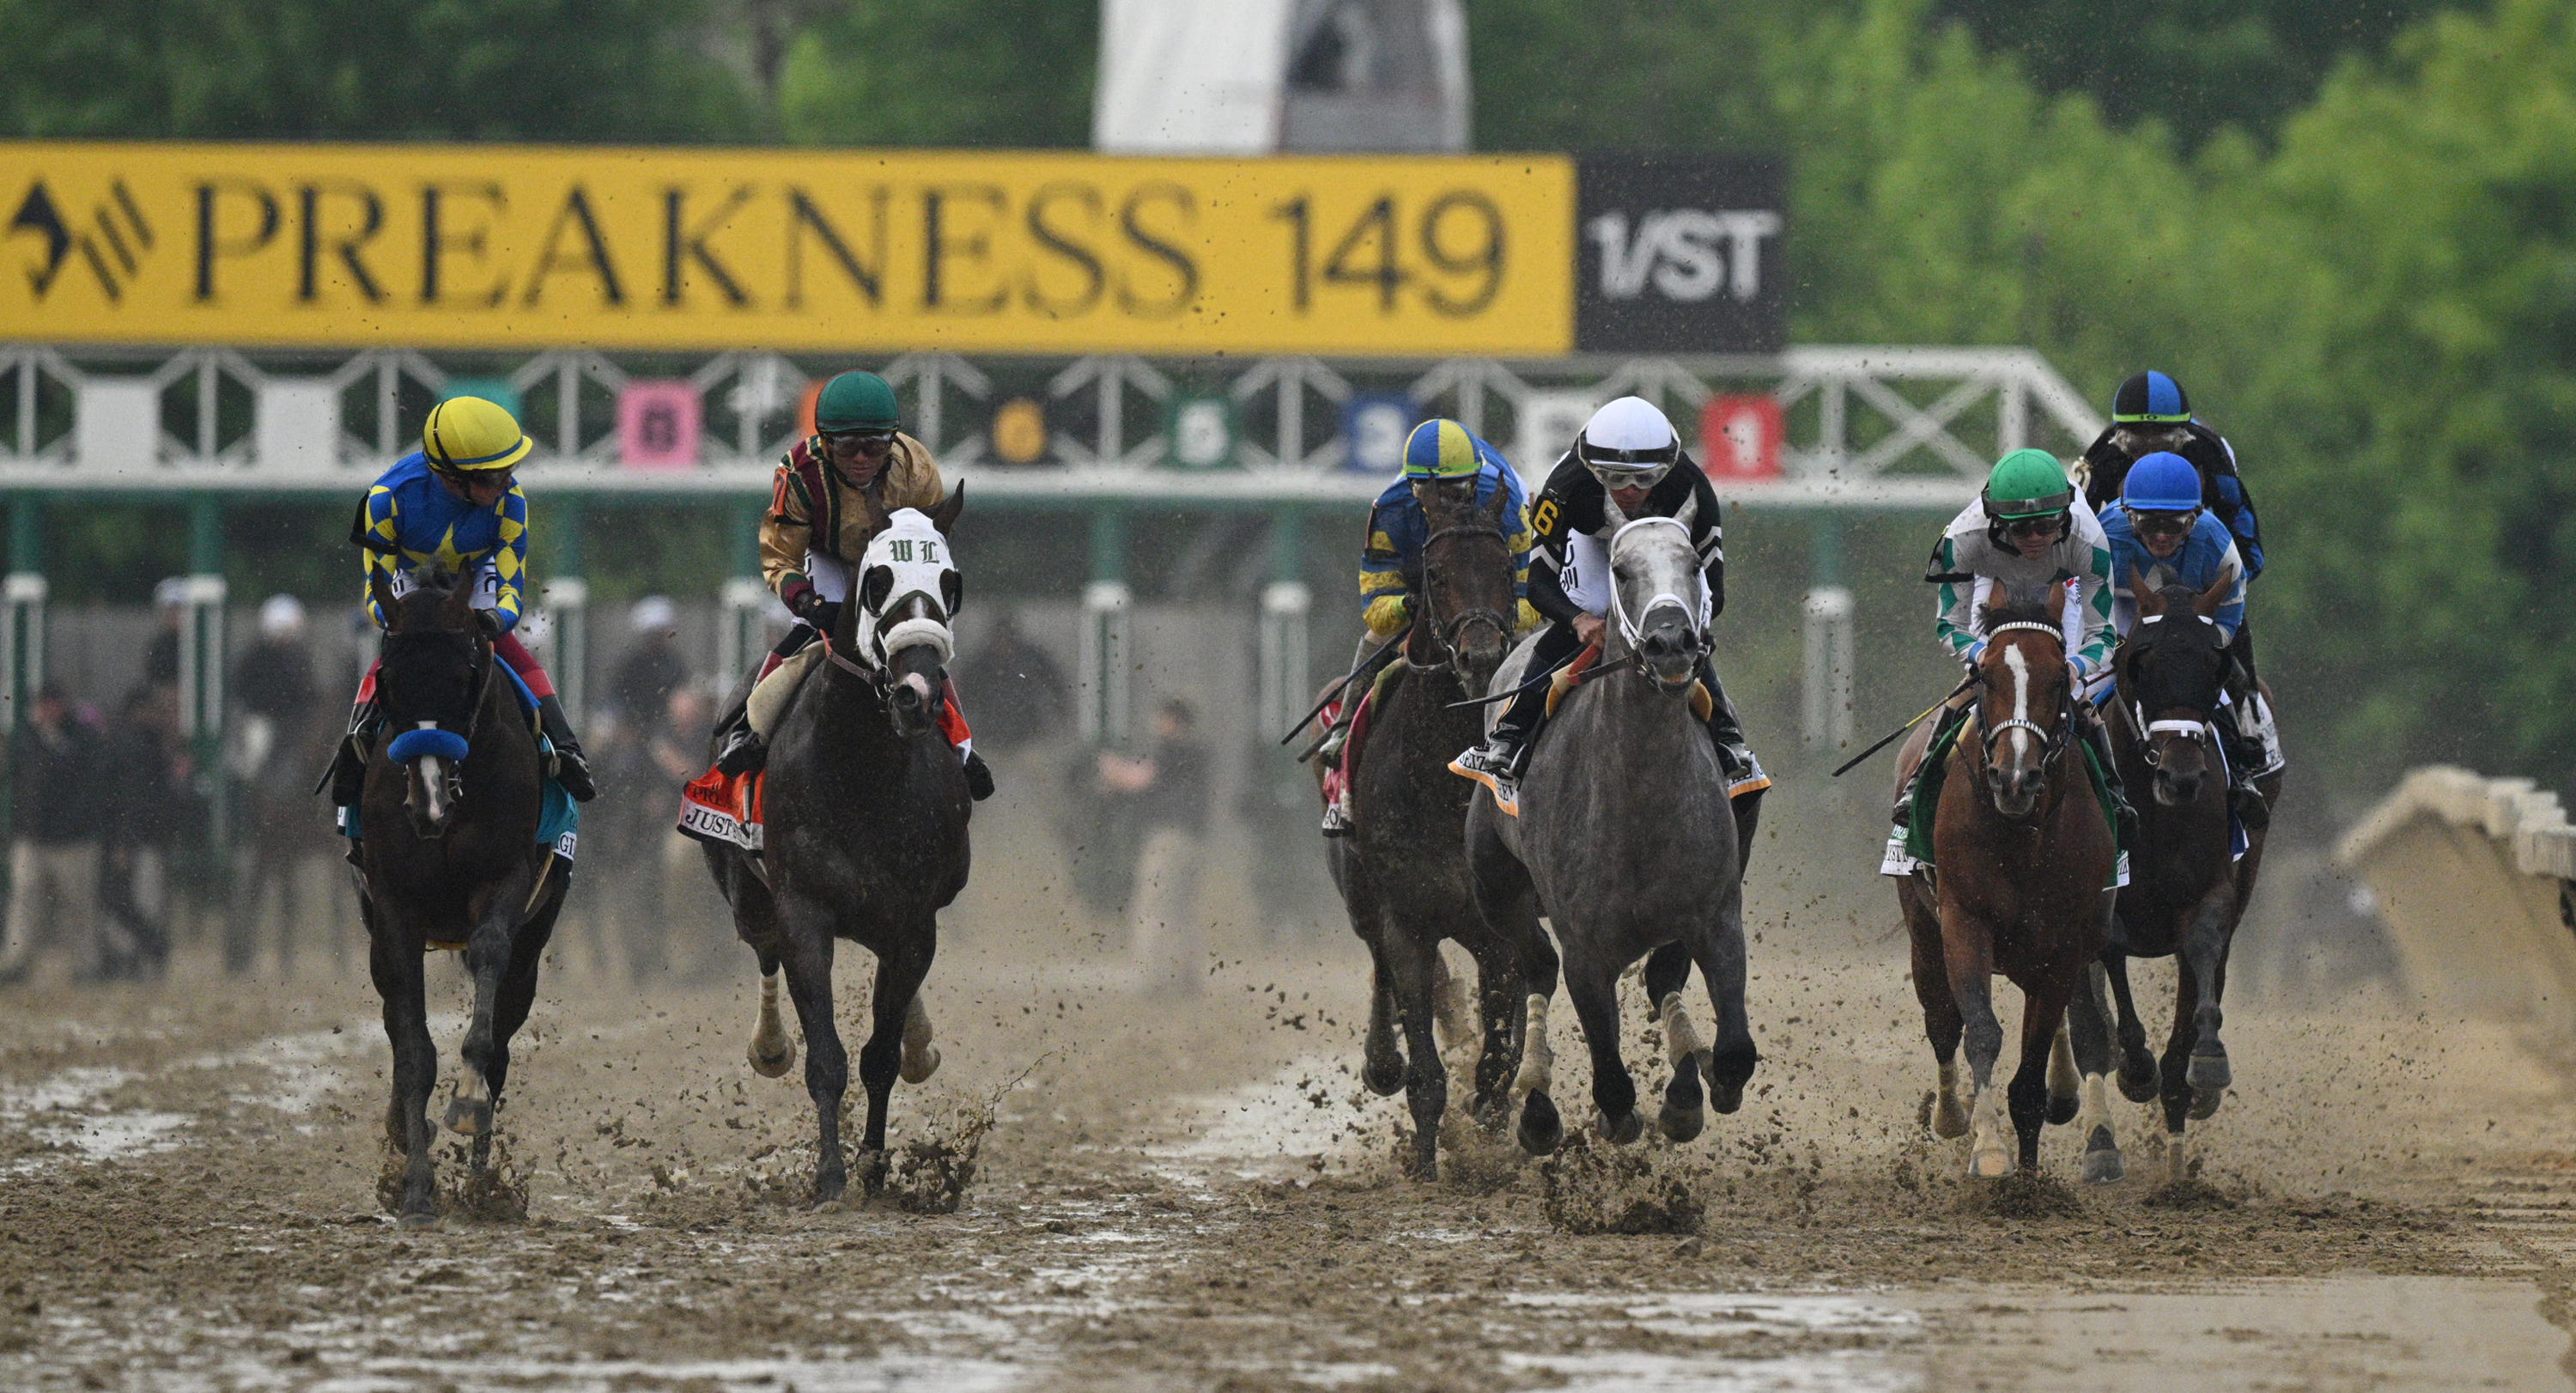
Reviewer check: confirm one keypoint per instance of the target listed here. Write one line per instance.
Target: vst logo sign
(1680, 254)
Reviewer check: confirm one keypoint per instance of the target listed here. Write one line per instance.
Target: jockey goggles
(2161, 523)
(870, 440)
(1628, 469)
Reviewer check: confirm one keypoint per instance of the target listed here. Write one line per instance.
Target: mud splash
(1590, 1186)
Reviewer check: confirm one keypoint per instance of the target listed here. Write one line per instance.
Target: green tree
(1012, 73)
(526, 70)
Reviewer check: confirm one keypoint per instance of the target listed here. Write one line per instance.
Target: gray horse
(1626, 843)
(866, 837)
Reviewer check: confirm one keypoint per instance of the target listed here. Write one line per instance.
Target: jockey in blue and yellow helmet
(1437, 454)
(453, 507)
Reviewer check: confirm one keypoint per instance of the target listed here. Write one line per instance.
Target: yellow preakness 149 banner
(500, 247)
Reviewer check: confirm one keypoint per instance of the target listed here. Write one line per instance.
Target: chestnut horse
(2021, 858)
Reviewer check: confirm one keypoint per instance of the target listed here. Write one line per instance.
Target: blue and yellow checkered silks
(1444, 450)
(1397, 530)
(414, 525)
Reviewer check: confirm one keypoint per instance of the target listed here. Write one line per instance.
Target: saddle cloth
(724, 809)
(1337, 775)
(1910, 850)
(558, 819)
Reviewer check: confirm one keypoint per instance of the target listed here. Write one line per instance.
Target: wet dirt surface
(1197, 1193)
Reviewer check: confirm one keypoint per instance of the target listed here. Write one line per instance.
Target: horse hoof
(417, 1223)
(1541, 1130)
(2062, 1110)
(2102, 1158)
(918, 1068)
(2140, 1081)
(1991, 1165)
(1385, 1078)
(775, 1065)
(1680, 1124)
(2204, 1104)
(469, 1117)
(2208, 1074)
(1726, 1081)
(1623, 1129)
(1949, 1120)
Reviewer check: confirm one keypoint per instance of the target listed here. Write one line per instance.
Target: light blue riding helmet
(2163, 482)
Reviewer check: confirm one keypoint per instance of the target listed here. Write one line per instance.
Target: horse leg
(398, 972)
(2063, 1085)
(487, 958)
(1968, 957)
(1509, 903)
(2043, 1035)
(773, 1051)
(1382, 1063)
(899, 976)
(2088, 1029)
(2177, 1092)
(1453, 1018)
(2204, 955)
(920, 1048)
(808, 961)
(1728, 1061)
(1683, 1113)
(1426, 1078)
(518, 996)
(2138, 1075)
(1499, 998)
(1592, 983)
(1941, 1026)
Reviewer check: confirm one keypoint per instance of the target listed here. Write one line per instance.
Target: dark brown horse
(450, 856)
(2185, 895)
(1403, 870)
(2023, 856)
(866, 836)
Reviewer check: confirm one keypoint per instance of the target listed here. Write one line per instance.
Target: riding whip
(1376, 659)
(1890, 738)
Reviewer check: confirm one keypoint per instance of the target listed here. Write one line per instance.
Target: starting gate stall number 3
(509, 247)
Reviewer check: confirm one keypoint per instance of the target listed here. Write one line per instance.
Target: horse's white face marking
(2020, 666)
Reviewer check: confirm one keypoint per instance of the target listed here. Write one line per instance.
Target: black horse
(1403, 870)
(449, 857)
(865, 810)
(2185, 893)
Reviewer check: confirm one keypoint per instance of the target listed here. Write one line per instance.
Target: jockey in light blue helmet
(2162, 531)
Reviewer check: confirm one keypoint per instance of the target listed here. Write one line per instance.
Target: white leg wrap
(1992, 1146)
(1681, 1041)
(1538, 1062)
(1949, 1118)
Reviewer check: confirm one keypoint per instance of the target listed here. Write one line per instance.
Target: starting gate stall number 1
(508, 247)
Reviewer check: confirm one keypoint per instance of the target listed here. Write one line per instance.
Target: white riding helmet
(1628, 444)
(281, 617)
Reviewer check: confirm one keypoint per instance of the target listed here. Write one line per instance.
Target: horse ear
(382, 592)
(1689, 512)
(2207, 605)
(1998, 598)
(945, 515)
(874, 587)
(1501, 506)
(952, 592)
(457, 610)
(2150, 601)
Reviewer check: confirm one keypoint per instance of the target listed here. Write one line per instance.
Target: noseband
(2052, 744)
(488, 660)
(2135, 710)
(1447, 634)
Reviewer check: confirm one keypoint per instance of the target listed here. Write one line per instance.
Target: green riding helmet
(855, 401)
(2025, 484)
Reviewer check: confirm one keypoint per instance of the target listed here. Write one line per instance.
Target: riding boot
(571, 770)
(1743, 772)
(347, 776)
(2243, 755)
(2097, 738)
(1747, 807)
(1499, 763)
(979, 777)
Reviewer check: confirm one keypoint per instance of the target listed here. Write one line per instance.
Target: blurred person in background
(147, 804)
(1170, 790)
(274, 744)
(273, 683)
(53, 852)
(640, 690)
(161, 655)
(1020, 694)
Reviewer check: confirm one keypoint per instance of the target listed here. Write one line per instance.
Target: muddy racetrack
(1198, 1194)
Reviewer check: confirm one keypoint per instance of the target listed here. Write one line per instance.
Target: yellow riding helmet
(472, 435)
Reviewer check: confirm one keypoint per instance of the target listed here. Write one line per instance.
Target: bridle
(2134, 710)
(1630, 629)
(485, 660)
(2052, 744)
(1447, 633)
